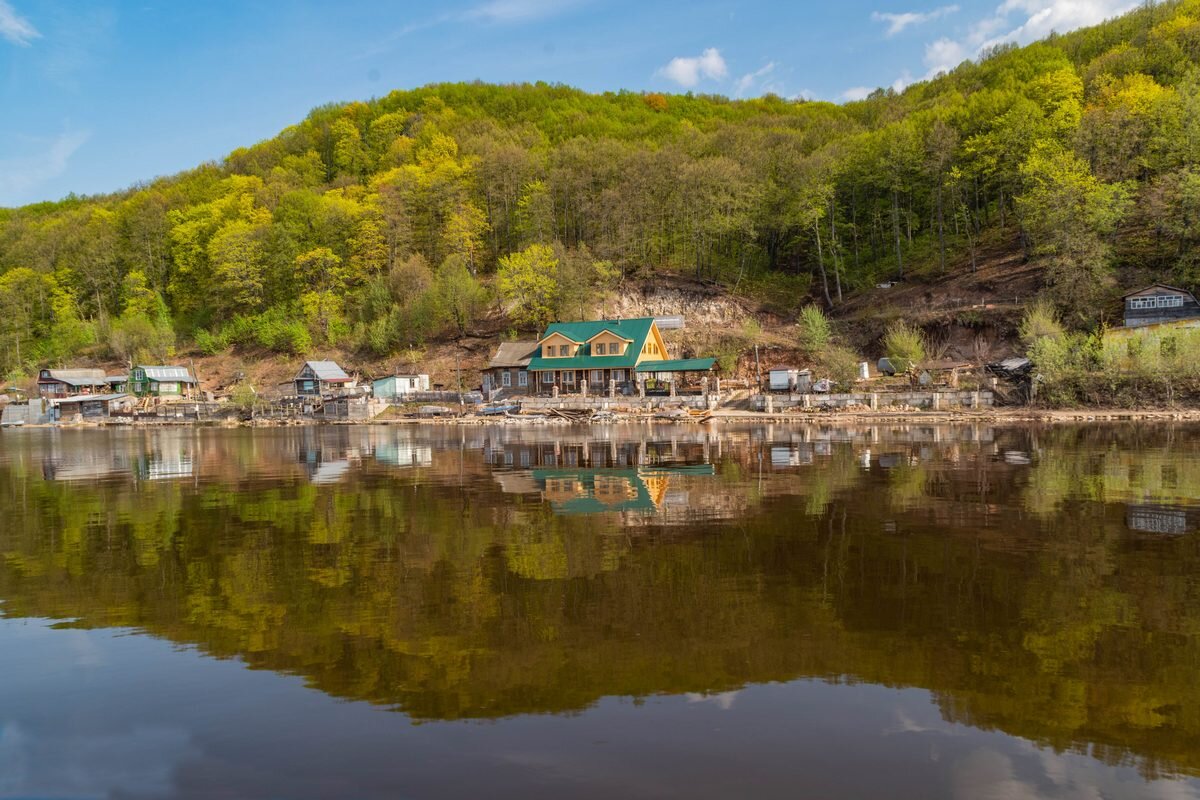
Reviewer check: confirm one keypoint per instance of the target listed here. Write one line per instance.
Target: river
(897, 610)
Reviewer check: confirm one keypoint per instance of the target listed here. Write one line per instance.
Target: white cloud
(903, 82)
(687, 71)
(1019, 21)
(898, 22)
(1041, 17)
(943, 55)
(14, 28)
(20, 174)
(748, 81)
(722, 700)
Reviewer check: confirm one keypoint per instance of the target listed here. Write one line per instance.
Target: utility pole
(757, 368)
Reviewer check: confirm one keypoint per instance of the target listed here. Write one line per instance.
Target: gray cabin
(508, 371)
(319, 378)
(67, 382)
(1159, 303)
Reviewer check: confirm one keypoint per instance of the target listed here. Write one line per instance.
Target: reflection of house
(593, 491)
(318, 378)
(63, 382)
(161, 381)
(160, 466)
(1152, 518)
(1159, 303)
(508, 371)
(586, 356)
(404, 454)
(397, 387)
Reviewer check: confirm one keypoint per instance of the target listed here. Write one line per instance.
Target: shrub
(841, 365)
(211, 343)
(1039, 321)
(815, 330)
(904, 345)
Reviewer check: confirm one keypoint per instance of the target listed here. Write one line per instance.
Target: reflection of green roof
(635, 329)
(590, 504)
(678, 365)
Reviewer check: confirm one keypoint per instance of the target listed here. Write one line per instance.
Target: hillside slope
(374, 229)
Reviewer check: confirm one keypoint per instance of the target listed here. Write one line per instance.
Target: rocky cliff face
(700, 306)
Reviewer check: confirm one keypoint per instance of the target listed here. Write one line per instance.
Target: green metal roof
(635, 329)
(678, 365)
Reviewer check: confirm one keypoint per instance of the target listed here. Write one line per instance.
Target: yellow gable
(552, 345)
(607, 343)
(654, 348)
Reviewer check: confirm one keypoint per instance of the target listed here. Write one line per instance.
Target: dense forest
(372, 226)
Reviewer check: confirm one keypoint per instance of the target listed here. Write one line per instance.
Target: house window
(597, 376)
(569, 377)
(547, 377)
(619, 375)
(616, 348)
(1162, 301)
(522, 378)
(564, 350)
(549, 351)
(506, 378)
(600, 348)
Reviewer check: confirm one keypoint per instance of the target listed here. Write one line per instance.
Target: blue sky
(97, 95)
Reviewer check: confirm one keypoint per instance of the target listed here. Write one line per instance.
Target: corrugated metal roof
(678, 365)
(1155, 286)
(161, 373)
(83, 398)
(633, 330)
(513, 354)
(327, 370)
(78, 377)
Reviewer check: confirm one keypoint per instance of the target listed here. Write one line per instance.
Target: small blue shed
(398, 387)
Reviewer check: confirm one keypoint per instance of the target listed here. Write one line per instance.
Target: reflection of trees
(452, 602)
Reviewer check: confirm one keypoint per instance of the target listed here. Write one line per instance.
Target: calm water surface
(882, 611)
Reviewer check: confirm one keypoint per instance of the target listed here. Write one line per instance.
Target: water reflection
(1037, 583)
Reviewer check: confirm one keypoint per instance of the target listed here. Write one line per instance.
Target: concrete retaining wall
(881, 401)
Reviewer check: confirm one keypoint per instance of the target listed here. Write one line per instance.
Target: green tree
(1068, 213)
(528, 283)
(460, 297)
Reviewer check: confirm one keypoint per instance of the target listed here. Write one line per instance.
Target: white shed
(789, 379)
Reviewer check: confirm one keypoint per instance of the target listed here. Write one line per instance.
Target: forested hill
(375, 226)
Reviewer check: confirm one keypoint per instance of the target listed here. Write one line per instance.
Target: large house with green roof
(583, 357)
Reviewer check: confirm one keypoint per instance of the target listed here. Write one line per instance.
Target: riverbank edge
(805, 417)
